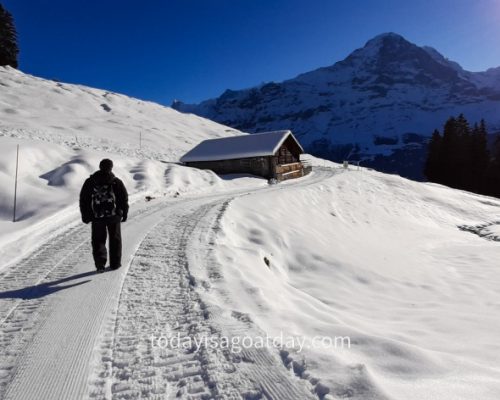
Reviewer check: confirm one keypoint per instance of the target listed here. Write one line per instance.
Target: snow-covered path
(68, 333)
(48, 331)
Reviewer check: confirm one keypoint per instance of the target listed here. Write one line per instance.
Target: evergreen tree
(493, 184)
(8, 39)
(448, 152)
(460, 158)
(461, 173)
(479, 159)
(433, 166)
(496, 151)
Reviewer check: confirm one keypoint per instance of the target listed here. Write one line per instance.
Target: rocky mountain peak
(385, 97)
(387, 39)
(392, 56)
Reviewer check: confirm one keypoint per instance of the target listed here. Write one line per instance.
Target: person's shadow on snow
(45, 288)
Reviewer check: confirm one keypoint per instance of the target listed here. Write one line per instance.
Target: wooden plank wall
(259, 166)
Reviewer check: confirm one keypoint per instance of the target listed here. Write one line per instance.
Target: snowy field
(64, 131)
(379, 259)
(407, 271)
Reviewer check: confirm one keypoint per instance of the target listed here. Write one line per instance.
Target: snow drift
(63, 131)
(378, 259)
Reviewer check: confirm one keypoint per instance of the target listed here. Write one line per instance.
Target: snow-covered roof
(244, 146)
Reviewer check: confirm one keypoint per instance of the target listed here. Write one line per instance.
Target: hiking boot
(115, 267)
(100, 268)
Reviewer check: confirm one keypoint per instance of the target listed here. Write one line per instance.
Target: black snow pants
(100, 229)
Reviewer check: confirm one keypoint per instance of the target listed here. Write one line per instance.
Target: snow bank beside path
(64, 130)
(379, 259)
(51, 176)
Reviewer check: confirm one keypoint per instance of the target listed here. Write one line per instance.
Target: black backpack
(103, 201)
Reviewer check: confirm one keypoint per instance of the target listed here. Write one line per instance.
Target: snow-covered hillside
(64, 130)
(76, 115)
(388, 262)
(384, 98)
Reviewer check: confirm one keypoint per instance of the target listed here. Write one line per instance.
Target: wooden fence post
(15, 184)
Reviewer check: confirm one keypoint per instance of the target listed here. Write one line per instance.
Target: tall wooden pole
(15, 185)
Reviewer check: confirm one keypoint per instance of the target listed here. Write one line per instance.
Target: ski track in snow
(106, 339)
(25, 306)
(129, 366)
(134, 368)
(22, 305)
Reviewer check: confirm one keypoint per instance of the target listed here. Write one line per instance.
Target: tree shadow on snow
(45, 288)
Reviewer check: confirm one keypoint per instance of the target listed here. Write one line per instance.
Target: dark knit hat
(106, 165)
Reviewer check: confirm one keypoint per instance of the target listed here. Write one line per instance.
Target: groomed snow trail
(64, 326)
(48, 331)
(159, 299)
(22, 297)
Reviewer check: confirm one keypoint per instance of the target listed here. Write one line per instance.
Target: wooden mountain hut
(272, 155)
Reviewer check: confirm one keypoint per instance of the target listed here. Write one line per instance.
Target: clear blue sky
(192, 50)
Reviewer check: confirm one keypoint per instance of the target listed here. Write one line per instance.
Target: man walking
(104, 202)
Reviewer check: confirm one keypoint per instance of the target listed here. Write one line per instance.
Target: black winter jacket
(103, 178)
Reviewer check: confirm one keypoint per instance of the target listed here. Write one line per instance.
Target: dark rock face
(378, 105)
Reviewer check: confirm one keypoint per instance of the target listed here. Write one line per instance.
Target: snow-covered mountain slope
(382, 100)
(76, 115)
(390, 263)
(63, 131)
